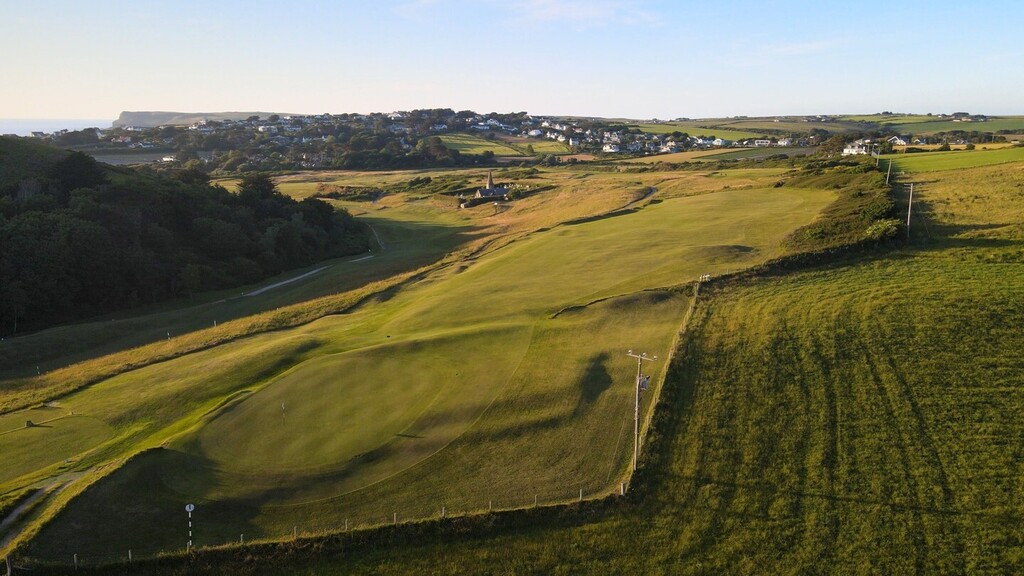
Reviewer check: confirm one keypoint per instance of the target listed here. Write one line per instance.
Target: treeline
(79, 239)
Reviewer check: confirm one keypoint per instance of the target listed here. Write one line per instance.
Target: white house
(854, 148)
(536, 133)
(762, 143)
(899, 140)
(784, 142)
(610, 148)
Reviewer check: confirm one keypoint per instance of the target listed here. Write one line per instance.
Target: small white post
(76, 561)
(241, 538)
(581, 494)
(442, 511)
(622, 488)
(346, 524)
(910, 204)
(534, 500)
(395, 518)
(129, 555)
(490, 505)
(295, 531)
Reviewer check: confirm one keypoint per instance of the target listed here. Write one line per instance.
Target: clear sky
(611, 58)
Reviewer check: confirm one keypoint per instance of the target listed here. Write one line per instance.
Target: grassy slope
(697, 129)
(954, 160)
(413, 236)
(469, 144)
(515, 287)
(858, 417)
(993, 125)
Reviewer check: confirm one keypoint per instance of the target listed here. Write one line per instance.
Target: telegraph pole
(636, 407)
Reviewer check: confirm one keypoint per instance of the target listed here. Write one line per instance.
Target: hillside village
(379, 140)
(415, 139)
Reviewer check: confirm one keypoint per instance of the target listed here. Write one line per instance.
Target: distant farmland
(954, 160)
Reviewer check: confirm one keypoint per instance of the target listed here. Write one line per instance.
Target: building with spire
(490, 190)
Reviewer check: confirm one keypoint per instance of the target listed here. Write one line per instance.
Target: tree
(77, 170)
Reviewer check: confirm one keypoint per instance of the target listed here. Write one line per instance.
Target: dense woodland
(80, 238)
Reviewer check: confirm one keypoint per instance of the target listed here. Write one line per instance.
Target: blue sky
(612, 58)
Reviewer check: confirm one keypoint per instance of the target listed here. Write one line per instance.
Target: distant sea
(26, 126)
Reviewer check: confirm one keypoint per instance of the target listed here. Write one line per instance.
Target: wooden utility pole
(636, 406)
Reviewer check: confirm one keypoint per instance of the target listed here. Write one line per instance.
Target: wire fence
(220, 534)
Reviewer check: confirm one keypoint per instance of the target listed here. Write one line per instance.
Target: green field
(953, 160)
(1015, 123)
(469, 144)
(494, 380)
(694, 129)
(539, 145)
(716, 154)
(854, 416)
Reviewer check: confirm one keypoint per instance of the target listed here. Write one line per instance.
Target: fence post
(581, 494)
(76, 561)
(490, 505)
(534, 500)
(295, 532)
(129, 555)
(241, 538)
(622, 489)
(442, 511)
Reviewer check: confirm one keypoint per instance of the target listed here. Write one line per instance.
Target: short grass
(688, 156)
(528, 414)
(54, 436)
(469, 144)
(953, 160)
(855, 417)
(539, 145)
(695, 129)
(1015, 123)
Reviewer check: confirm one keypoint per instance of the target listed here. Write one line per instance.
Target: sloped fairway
(500, 381)
(857, 418)
(400, 402)
(826, 422)
(53, 437)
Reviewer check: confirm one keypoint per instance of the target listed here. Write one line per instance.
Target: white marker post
(189, 508)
